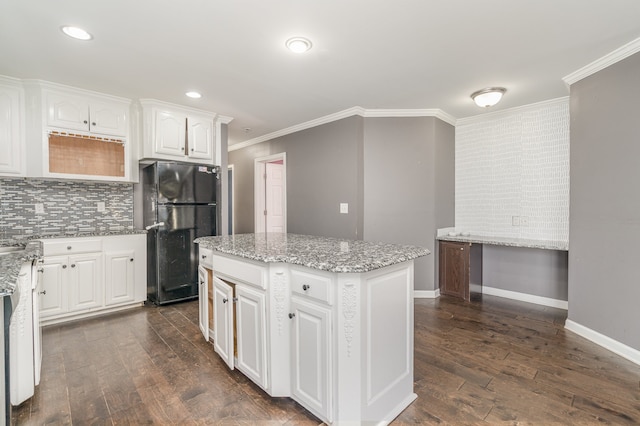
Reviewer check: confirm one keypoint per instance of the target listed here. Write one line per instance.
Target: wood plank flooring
(491, 361)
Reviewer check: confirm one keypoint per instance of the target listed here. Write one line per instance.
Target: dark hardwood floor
(491, 361)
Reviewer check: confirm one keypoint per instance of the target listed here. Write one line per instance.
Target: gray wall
(324, 169)
(408, 185)
(604, 289)
(526, 270)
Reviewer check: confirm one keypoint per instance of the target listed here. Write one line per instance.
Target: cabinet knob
(291, 316)
(93, 123)
(461, 248)
(43, 292)
(204, 256)
(73, 265)
(201, 282)
(64, 266)
(68, 247)
(85, 121)
(182, 148)
(305, 287)
(225, 300)
(131, 260)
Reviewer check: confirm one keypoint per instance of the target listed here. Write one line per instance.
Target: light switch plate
(515, 220)
(344, 208)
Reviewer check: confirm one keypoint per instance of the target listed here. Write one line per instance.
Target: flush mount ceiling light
(298, 44)
(193, 95)
(77, 33)
(488, 97)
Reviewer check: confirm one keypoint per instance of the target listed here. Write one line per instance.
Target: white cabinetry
(172, 132)
(86, 113)
(87, 276)
(203, 301)
(11, 128)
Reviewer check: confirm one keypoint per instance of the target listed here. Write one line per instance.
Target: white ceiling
(388, 54)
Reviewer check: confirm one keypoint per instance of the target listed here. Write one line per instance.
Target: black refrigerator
(179, 205)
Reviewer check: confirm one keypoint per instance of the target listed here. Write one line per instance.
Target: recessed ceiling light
(298, 44)
(77, 33)
(194, 95)
(488, 97)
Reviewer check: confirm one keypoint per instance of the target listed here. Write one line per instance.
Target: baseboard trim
(524, 297)
(426, 294)
(606, 342)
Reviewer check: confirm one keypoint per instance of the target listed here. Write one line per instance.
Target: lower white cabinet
(203, 301)
(251, 334)
(88, 276)
(223, 326)
(310, 356)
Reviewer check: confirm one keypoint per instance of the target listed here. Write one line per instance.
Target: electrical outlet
(524, 220)
(100, 206)
(39, 208)
(344, 208)
(515, 220)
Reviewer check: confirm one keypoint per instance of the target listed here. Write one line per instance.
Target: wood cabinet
(172, 132)
(12, 154)
(454, 269)
(87, 276)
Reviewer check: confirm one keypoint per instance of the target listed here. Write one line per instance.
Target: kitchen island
(325, 321)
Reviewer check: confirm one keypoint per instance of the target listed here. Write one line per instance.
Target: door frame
(259, 189)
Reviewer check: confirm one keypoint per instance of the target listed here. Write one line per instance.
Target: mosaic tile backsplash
(515, 164)
(68, 207)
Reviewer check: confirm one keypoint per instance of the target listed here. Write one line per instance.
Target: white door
(200, 137)
(107, 118)
(10, 130)
(274, 197)
(85, 281)
(251, 334)
(67, 112)
(223, 329)
(170, 133)
(52, 294)
(120, 277)
(203, 300)
(310, 346)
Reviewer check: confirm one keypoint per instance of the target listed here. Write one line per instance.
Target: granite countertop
(10, 264)
(509, 242)
(77, 234)
(326, 254)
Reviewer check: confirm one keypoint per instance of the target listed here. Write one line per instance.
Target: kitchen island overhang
(328, 322)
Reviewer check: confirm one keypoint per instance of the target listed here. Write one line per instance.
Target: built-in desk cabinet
(460, 269)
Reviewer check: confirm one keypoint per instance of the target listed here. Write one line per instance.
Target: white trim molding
(524, 297)
(606, 342)
(426, 294)
(604, 62)
(362, 112)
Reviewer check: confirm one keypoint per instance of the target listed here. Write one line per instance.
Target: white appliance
(24, 338)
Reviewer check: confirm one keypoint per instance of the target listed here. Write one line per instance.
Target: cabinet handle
(73, 265)
(93, 123)
(201, 282)
(43, 292)
(64, 266)
(204, 256)
(461, 248)
(182, 148)
(131, 260)
(225, 300)
(85, 121)
(291, 316)
(68, 247)
(305, 287)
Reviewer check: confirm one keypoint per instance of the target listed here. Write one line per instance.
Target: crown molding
(507, 112)
(350, 112)
(604, 62)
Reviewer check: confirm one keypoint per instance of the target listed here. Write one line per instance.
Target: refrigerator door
(176, 253)
(185, 183)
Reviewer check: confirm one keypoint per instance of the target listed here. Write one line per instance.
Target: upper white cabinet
(172, 132)
(78, 134)
(86, 113)
(11, 128)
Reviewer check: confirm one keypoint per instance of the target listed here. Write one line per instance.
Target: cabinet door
(85, 281)
(10, 133)
(170, 133)
(223, 327)
(251, 334)
(119, 277)
(203, 300)
(310, 346)
(108, 118)
(454, 269)
(67, 112)
(52, 295)
(200, 137)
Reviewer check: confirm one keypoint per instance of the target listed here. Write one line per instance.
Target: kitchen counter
(508, 242)
(325, 254)
(10, 264)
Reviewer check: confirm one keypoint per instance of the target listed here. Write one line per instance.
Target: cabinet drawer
(235, 270)
(312, 285)
(205, 257)
(58, 247)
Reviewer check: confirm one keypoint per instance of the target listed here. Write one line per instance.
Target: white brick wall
(514, 163)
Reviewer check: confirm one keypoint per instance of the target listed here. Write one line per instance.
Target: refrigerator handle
(155, 225)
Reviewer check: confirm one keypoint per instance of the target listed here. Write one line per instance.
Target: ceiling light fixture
(298, 44)
(193, 95)
(77, 33)
(488, 97)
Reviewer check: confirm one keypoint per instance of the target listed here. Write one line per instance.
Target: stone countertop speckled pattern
(508, 242)
(10, 264)
(325, 254)
(79, 234)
